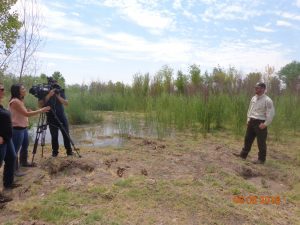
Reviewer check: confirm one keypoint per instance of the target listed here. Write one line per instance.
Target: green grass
(60, 206)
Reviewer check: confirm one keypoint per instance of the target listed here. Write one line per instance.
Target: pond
(100, 135)
(103, 134)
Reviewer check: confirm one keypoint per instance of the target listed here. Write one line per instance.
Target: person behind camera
(7, 150)
(19, 115)
(56, 118)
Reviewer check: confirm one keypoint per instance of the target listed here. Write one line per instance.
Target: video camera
(41, 90)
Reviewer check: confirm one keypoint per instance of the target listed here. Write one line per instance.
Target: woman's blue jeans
(21, 142)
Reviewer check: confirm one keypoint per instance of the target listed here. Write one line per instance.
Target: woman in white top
(19, 115)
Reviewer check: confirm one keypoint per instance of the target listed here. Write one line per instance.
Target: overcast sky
(106, 40)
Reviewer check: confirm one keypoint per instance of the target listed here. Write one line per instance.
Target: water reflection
(100, 135)
(109, 133)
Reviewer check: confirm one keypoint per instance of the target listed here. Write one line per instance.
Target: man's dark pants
(8, 155)
(253, 131)
(54, 126)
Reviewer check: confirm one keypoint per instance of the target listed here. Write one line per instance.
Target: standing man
(56, 118)
(259, 117)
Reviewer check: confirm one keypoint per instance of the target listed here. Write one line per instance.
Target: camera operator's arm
(43, 102)
(49, 95)
(62, 100)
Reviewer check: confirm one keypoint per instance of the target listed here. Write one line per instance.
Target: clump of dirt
(109, 196)
(248, 172)
(109, 162)
(152, 144)
(56, 166)
(144, 172)
(2, 205)
(120, 171)
(218, 147)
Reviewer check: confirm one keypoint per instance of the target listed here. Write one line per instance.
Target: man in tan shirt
(259, 117)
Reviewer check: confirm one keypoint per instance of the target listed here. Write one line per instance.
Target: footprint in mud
(144, 172)
(120, 171)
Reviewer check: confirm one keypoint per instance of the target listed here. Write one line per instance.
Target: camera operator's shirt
(6, 125)
(57, 107)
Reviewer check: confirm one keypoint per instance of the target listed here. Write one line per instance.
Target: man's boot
(69, 152)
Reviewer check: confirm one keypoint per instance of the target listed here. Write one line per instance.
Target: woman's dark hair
(15, 91)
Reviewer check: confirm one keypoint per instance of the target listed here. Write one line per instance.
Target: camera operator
(56, 118)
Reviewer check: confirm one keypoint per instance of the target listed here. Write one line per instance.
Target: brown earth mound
(60, 165)
(248, 172)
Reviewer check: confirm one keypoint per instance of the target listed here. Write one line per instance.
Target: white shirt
(261, 108)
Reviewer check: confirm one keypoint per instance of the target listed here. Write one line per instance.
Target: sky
(102, 40)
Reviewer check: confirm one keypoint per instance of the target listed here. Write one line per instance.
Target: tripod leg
(36, 142)
(41, 130)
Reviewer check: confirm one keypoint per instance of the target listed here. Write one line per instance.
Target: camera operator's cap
(261, 84)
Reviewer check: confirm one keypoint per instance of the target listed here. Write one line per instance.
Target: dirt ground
(179, 180)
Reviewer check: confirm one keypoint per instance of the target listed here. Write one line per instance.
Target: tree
(195, 74)
(59, 78)
(290, 74)
(181, 82)
(274, 86)
(166, 74)
(43, 76)
(29, 39)
(140, 84)
(9, 27)
(219, 77)
(250, 82)
(234, 81)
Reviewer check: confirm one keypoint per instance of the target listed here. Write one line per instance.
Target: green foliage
(221, 102)
(279, 120)
(290, 74)
(250, 81)
(59, 78)
(9, 27)
(140, 86)
(181, 82)
(195, 74)
(165, 74)
(78, 114)
(219, 78)
(239, 109)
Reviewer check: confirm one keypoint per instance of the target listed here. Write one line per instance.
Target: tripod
(41, 133)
